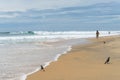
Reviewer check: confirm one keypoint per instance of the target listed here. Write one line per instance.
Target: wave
(55, 33)
(49, 36)
(17, 33)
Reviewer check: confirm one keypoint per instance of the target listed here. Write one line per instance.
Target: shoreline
(85, 41)
(24, 77)
(62, 59)
(69, 47)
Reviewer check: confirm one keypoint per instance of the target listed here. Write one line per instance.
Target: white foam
(69, 49)
(46, 64)
(40, 35)
(24, 77)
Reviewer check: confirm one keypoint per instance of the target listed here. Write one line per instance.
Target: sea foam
(46, 63)
(11, 37)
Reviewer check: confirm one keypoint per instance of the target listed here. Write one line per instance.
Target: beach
(60, 40)
(85, 62)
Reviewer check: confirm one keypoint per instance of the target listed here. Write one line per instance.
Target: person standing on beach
(97, 34)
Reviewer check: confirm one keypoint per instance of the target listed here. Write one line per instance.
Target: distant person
(97, 34)
(107, 61)
(42, 68)
(108, 32)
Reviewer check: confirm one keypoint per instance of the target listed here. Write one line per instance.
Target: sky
(41, 14)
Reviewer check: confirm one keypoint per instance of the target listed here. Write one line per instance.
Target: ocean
(22, 52)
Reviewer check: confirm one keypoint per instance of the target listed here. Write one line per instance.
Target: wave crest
(17, 33)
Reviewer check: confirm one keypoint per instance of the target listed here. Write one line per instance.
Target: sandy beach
(85, 62)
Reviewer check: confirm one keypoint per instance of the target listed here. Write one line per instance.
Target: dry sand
(86, 62)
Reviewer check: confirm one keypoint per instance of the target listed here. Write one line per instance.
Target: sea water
(22, 53)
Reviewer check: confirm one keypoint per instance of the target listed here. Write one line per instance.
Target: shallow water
(16, 60)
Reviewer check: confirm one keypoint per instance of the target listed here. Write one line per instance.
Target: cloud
(8, 15)
(96, 13)
(23, 5)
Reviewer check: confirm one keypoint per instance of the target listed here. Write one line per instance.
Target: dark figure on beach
(107, 61)
(97, 34)
(104, 42)
(42, 68)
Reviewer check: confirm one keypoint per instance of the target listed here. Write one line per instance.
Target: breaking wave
(24, 36)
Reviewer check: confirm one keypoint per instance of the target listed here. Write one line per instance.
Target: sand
(86, 62)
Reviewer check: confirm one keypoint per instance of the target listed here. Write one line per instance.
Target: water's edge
(86, 41)
(24, 77)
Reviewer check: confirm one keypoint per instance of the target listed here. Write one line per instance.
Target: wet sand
(86, 62)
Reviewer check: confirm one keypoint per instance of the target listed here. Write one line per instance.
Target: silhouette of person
(97, 34)
(107, 61)
(42, 68)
